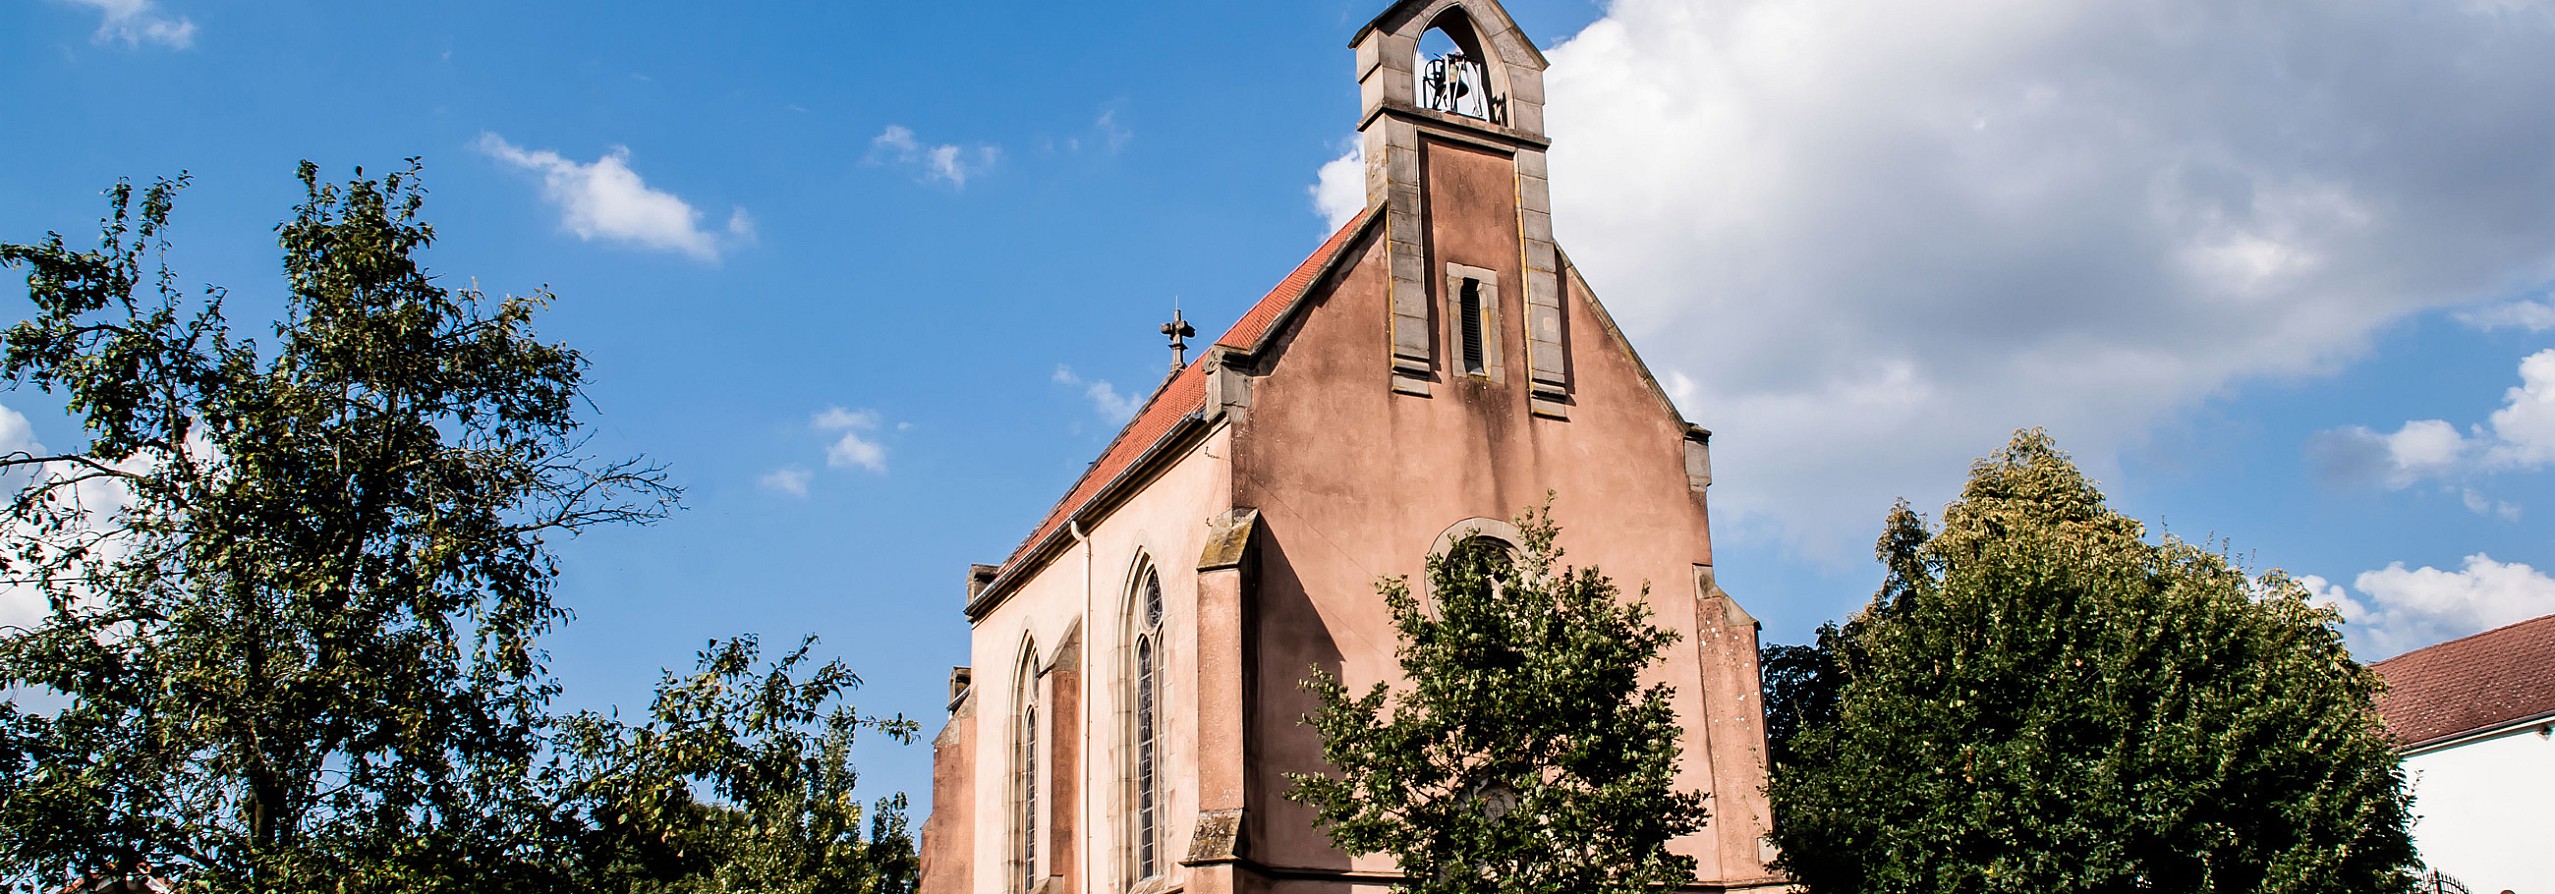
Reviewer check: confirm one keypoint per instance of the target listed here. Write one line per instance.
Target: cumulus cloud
(605, 199)
(1104, 397)
(791, 480)
(2396, 609)
(855, 442)
(2518, 437)
(1879, 236)
(946, 163)
(2524, 428)
(1339, 190)
(138, 21)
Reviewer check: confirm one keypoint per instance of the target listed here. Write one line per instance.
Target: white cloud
(791, 480)
(1105, 135)
(2524, 428)
(136, 21)
(1339, 191)
(2518, 437)
(2476, 502)
(101, 499)
(605, 199)
(1879, 236)
(2534, 316)
(852, 441)
(20, 604)
(2422, 448)
(16, 434)
(948, 163)
(1104, 397)
(1112, 136)
(1681, 389)
(2398, 609)
(852, 445)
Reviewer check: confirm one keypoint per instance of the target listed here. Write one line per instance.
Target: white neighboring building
(2475, 722)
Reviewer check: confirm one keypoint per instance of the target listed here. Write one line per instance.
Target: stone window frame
(1145, 610)
(1499, 530)
(1490, 317)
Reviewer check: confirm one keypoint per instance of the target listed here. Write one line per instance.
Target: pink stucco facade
(1333, 438)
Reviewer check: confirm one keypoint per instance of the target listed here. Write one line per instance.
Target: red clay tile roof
(2477, 683)
(1182, 393)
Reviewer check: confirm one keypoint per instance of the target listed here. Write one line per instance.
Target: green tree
(294, 591)
(1803, 683)
(1800, 689)
(737, 781)
(294, 597)
(2042, 700)
(1523, 754)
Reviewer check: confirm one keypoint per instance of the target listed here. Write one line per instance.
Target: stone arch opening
(1455, 72)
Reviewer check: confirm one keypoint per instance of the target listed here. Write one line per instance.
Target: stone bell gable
(1498, 113)
(1434, 367)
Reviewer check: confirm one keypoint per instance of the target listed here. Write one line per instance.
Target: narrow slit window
(1468, 311)
(1469, 307)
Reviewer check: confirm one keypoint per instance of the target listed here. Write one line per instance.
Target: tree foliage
(1800, 687)
(294, 594)
(738, 782)
(2042, 700)
(1521, 687)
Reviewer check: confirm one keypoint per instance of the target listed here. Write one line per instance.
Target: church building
(1132, 707)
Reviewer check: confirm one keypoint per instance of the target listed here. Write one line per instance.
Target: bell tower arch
(1390, 67)
(1457, 76)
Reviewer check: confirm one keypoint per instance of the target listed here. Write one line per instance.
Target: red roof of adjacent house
(1183, 392)
(2477, 683)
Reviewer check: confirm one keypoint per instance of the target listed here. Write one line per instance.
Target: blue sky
(875, 280)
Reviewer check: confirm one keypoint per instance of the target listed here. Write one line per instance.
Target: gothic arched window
(1486, 546)
(1144, 733)
(1024, 779)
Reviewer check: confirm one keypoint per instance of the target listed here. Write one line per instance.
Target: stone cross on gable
(1180, 332)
